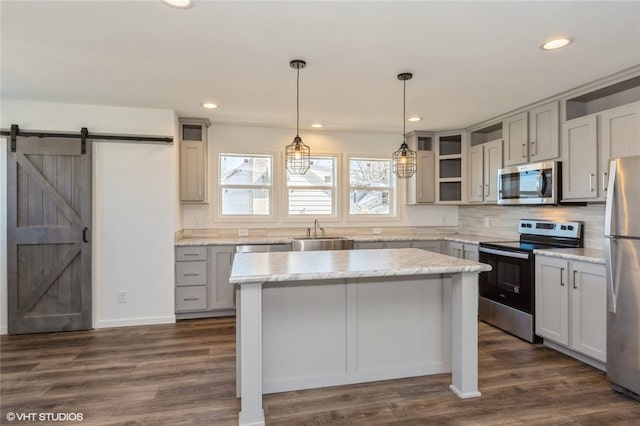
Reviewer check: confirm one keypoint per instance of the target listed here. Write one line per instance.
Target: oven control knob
(563, 227)
(570, 227)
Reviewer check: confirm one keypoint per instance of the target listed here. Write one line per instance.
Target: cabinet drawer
(191, 253)
(191, 273)
(191, 298)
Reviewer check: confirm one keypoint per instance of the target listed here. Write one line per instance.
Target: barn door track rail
(83, 136)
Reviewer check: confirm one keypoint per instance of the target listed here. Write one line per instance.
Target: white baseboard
(128, 322)
(4, 330)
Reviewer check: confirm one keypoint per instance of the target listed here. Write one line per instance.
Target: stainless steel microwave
(537, 183)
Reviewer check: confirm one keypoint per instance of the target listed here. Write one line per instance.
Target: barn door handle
(85, 232)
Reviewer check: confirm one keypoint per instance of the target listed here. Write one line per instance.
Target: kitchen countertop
(224, 241)
(343, 264)
(579, 254)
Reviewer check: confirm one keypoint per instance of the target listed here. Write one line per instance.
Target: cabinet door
(552, 303)
(433, 246)
(543, 129)
(619, 137)
(515, 132)
(220, 290)
(492, 163)
(589, 310)
(425, 179)
(470, 252)
(368, 245)
(456, 249)
(580, 153)
(192, 178)
(476, 174)
(397, 244)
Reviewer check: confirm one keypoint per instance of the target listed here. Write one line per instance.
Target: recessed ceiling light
(316, 125)
(209, 105)
(556, 43)
(180, 4)
(414, 118)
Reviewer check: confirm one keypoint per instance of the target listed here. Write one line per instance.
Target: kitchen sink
(321, 243)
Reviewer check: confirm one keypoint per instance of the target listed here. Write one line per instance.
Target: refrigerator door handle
(609, 226)
(612, 282)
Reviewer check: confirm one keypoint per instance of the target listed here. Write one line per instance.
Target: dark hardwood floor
(184, 374)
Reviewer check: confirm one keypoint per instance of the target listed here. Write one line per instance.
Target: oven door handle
(504, 253)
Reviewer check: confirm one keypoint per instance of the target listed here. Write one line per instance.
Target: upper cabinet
(421, 186)
(515, 131)
(618, 136)
(193, 160)
(449, 167)
(484, 161)
(580, 152)
(601, 125)
(531, 136)
(543, 132)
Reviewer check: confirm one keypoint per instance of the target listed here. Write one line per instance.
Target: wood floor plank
(184, 374)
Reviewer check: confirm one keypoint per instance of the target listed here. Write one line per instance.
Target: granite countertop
(579, 254)
(343, 264)
(222, 241)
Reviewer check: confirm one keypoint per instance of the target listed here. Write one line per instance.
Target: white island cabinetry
(314, 319)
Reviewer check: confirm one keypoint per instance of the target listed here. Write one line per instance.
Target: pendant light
(297, 154)
(404, 160)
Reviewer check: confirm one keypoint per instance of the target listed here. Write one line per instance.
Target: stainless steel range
(507, 292)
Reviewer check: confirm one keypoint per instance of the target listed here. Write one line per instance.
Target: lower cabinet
(202, 281)
(463, 251)
(419, 244)
(571, 305)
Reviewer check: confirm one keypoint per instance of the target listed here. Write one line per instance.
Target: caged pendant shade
(297, 154)
(404, 159)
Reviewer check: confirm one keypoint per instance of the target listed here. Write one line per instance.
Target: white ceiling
(471, 60)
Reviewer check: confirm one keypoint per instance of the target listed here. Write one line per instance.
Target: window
(314, 192)
(370, 190)
(246, 185)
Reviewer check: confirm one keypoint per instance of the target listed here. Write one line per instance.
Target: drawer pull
(191, 254)
(190, 299)
(191, 275)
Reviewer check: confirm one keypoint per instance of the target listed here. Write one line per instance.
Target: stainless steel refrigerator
(622, 252)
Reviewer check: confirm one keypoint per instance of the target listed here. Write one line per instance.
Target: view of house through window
(246, 184)
(314, 192)
(370, 189)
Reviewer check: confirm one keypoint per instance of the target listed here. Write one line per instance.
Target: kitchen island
(323, 318)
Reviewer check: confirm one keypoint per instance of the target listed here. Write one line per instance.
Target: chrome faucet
(316, 226)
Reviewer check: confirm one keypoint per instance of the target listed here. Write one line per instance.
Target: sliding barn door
(48, 230)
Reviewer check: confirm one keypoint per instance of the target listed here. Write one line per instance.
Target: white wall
(236, 139)
(134, 192)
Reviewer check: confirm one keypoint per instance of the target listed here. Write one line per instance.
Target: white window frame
(392, 188)
(335, 191)
(220, 187)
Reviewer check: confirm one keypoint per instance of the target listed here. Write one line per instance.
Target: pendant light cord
(298, 101)
(404, 108)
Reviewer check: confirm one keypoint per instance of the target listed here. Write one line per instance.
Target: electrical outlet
(487, 222)
(121, 296)
(377, 231)
(243, 232)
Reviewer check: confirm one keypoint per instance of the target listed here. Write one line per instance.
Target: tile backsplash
(502, 221)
